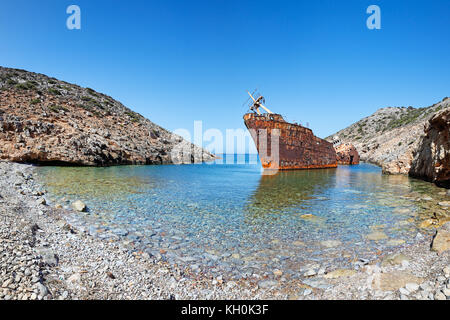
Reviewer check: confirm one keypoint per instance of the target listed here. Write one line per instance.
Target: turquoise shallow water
(231, 220)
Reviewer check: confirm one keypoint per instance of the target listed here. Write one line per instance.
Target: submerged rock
(330, 243)
(394, 259)
(79, 206)
(339, 273)
(376, 236)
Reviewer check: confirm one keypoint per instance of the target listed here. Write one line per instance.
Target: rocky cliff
(393, 136)
(432, 159)
(45, 120)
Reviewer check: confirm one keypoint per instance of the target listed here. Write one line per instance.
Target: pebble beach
(43, 257)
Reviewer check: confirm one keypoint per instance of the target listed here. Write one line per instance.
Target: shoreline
(44, 257)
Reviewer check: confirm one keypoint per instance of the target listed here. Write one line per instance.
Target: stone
(395, 242)
(317, 283)
(79, 206)
(265, 284)
(48, 256)
(75, 278)
(412, 287)
(43, 291)
(446, 271)
(394, 259)
(307, 292)
(444, 204)
(441, 241)
(309, 273)
(439, 295)
(41, 201)
(278, 273)
(58, 206)
(446, 291)
(308, 216)
(339, 273)
(426, 223)
(395, 280)
(404, 291)
(330, 243)
(376, 236)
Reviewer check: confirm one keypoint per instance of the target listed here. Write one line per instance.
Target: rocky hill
(392, 137)
(45, 120)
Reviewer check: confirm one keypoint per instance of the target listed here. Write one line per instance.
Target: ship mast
(258, 103)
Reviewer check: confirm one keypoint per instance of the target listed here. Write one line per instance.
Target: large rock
(44, 120)
(432, 158)
(346, 154)
(395, 280)
(441, 241)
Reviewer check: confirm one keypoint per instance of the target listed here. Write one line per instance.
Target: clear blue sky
(180, 61)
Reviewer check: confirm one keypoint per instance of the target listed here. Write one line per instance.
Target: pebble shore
(42, 257)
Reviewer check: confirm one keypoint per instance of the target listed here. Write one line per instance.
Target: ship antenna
(258, 103)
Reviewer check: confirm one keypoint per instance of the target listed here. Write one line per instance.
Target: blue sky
(179, 61)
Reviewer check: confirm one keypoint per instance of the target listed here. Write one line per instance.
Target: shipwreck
(285, 146)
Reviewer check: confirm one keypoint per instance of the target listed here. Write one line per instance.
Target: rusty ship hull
(298, 147)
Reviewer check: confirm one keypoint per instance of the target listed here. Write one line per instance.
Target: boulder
(346, 154)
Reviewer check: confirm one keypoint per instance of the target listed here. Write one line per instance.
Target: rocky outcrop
(432, 159)
(44, 120)
(391, 137)
(346, 154)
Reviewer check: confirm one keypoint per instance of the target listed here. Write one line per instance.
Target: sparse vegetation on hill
(43, 120)
(390, 136)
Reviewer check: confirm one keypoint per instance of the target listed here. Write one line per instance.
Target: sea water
(228, 218)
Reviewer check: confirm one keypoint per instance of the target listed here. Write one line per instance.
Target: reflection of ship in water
(289, 189)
